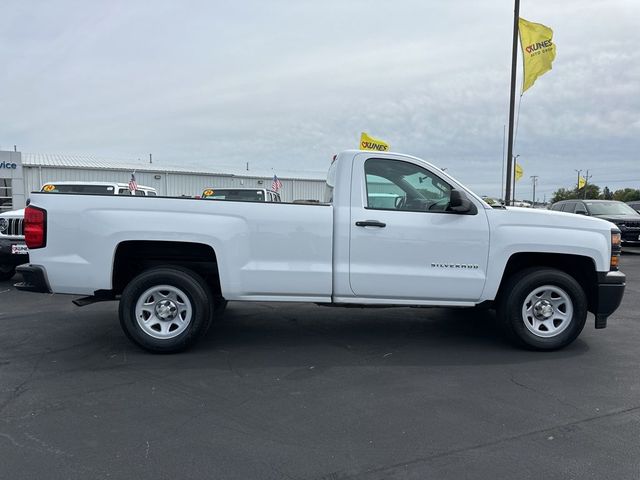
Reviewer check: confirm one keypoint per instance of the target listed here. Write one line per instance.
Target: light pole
(534, 180)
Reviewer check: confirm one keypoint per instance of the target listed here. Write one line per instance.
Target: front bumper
(34, 279)
(6, 249)
(609, 295)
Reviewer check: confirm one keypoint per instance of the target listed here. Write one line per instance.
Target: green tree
(592, 192)
(563, 194)
(626, 195)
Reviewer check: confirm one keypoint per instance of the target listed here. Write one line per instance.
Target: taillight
(616, 248)
(35, 227)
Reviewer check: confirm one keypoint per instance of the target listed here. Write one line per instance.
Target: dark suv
(625, 217)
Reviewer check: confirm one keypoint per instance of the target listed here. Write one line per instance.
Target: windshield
(92, 189)
(612, 208)
(231, 194)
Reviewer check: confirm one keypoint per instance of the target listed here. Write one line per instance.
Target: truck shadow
(282, 334)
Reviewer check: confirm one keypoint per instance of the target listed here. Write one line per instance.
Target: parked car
(14, 251)
(625, 217)
(440, 245)
(241, 194)
(635, 205)
(97, 188)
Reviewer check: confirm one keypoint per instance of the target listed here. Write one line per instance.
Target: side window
(139, 193)
(569, 207)
(580, 208)
(398, 185)
(151, 194)
(124, 191)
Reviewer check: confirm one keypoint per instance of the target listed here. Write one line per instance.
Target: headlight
(4, 225)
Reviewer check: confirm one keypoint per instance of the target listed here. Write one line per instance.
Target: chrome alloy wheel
(163, 312)
(547, 311)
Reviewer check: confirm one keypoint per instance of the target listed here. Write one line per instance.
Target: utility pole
(512, 100)
(578, 181)
(586, 182)
(534, 180)
(150, 159)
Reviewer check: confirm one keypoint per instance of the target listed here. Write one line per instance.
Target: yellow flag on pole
(519, 171)
(538, 51)
(370, 143)
(581, 182)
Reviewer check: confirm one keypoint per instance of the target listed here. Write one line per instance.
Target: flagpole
(512, 102)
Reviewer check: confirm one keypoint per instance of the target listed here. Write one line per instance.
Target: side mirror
(581, 212)
(460, 203)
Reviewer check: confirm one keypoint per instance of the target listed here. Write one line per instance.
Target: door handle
(370, 223)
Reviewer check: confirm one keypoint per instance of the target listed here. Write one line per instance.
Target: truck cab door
(405, 242)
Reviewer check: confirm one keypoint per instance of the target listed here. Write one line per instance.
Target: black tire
(520, 326)
(7, 272)
(186, 283)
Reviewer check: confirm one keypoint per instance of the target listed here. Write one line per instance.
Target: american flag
(276, 184)
(133, 186)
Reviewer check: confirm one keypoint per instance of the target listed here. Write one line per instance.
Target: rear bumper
(8, 258)
(34, 279)
(610, 291)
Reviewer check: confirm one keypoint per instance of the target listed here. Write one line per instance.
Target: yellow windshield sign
(48, 188)
(207, 193)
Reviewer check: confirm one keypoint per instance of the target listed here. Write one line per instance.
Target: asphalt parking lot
(302, 391)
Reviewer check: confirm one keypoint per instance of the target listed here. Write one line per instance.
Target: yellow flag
(581, 182)
(538, 50)
(370, 143)
(519, 171)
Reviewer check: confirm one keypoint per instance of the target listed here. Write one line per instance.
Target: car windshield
(93, 189)
(610, 208)
(237, 195)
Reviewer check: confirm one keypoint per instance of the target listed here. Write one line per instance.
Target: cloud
(288, 84)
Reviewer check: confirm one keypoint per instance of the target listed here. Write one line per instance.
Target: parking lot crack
(21, 388)
(541, 392)
(390, 469)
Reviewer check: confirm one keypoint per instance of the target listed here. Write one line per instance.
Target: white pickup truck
(436, 244)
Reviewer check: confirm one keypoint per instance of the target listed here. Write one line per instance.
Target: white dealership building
(21, 173)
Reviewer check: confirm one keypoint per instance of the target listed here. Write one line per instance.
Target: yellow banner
(370, 143)
(581, 182)
(519, 171)
(538, 51)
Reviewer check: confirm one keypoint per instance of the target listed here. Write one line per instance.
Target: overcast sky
(286, 84)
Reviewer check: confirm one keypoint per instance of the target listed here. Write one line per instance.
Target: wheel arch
(134, 256)
(580, 267)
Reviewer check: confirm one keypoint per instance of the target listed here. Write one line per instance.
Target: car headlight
(4, 225)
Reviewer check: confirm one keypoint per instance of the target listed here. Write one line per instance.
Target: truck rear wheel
(7, 271)
(543, 308)
(165, 309)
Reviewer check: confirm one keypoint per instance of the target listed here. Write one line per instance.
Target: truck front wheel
(543, 308)
(165, 309)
